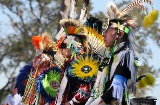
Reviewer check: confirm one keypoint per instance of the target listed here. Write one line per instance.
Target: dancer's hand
(41, 61)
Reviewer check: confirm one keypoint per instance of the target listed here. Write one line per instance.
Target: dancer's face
(109, 36)
(66, 53)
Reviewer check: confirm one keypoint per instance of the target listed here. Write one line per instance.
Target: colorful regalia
(84, 61)
(78, 69)
(38, 82)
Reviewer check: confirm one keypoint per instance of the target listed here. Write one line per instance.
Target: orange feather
(36, 41)
(60, 41)
(71, 29)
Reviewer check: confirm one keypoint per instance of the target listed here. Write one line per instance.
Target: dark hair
(63, 45)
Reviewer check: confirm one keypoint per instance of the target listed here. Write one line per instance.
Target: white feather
(73, 9)
(83, 15)
(60, 34)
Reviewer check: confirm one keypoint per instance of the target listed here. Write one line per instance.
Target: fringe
(129, 56)
(117, 92)
(132, 43)
(118, 88)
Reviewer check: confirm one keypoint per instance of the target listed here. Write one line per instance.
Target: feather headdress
(75, 38)
(114, 13)
(43, 43)
(71, 26)
(129, 22)
(149, 19)
(73, 12)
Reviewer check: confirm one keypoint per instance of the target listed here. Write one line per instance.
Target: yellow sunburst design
(87, 62)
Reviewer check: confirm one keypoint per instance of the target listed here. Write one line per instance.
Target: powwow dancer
(39, 81)
(119, 36)
(85, 52)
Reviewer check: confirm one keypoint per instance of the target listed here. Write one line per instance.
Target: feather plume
(22, 78)
(60, 41)
(112, 11)
(60, 34)
(69, 22)
(150, 19)
(154, 15)
(46, 38)
(146, 80)
(150, 79)
(136, 3)
(71, 26)
(129, 20)
(141, 7)
(73, 9)
(84, 11)
(83, 15)
(36, 41)
(47, 42)
(93, 30)
(43, 42)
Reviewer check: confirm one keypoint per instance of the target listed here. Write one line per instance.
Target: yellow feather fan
(96, 41)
